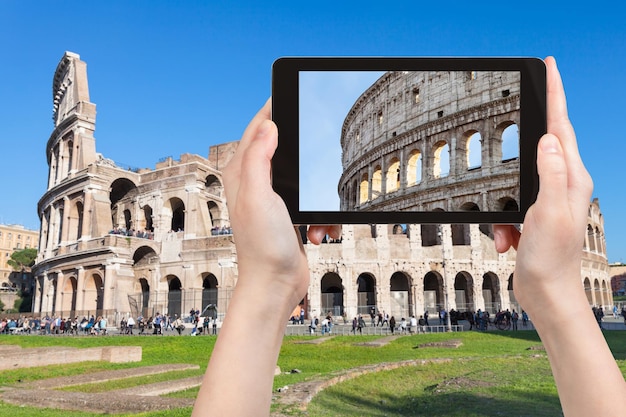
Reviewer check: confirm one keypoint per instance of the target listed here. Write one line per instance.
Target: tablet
(386, 140)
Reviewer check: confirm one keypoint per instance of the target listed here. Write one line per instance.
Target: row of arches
(65, 220)
(73, 295)
(175, 302)
(411, 167)
(598, 292)
(595, 240)
(401, 293)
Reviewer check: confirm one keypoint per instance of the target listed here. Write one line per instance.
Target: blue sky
(176, 77)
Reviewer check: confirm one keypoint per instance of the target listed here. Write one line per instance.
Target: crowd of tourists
(55, 325)
(144, 234)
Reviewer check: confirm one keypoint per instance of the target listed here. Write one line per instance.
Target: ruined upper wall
(220, 155)
(69, 88)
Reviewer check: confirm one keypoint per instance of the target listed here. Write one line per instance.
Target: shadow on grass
(466, 404)
(616, 339)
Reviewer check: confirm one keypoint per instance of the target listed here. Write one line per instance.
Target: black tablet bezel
(285, 113)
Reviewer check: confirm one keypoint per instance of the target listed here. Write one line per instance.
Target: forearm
(239, 377)
(585, 372)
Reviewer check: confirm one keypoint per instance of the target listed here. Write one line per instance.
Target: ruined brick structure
(116, 241)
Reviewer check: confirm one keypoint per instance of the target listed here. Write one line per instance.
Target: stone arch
(510, 142)
(397, 229)
(123, 193)
(441, 159)
(507, 204)
(414, 168)
(94, 294)
(332, 294)
(605, 293)
(144, 288)
(209, 293)
(461, 235)
(70, 155)
(213, 185)
(393, 175)
(588, 290)
(464, 291)
(144, 256)
(354, 195)
(400, 291)
(509, 288)
(75, 225)
(366, 292)
(491, 292)
(433, 291)
(364, 189)
(473, 149)
(214, 213)
(377, 182)
(174, 295)
(148, 223)
(591, 237)
(176, 209)
(68, 296)
(597, 292)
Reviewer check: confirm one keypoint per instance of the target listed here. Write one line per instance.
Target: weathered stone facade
(399, 131)
(117, 242)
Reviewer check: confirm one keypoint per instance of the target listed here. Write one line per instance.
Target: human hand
(270, 255)
(549, 249)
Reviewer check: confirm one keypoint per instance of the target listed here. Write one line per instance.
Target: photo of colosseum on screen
(409, 141)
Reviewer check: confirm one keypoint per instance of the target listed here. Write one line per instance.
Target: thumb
(552, 170)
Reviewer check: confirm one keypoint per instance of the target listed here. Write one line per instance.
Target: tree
(22, 260)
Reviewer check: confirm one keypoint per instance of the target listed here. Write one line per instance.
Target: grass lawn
(490, 374)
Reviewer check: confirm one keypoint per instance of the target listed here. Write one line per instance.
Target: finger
(553, 196)
(505, 236)
(257, 160)
(579, 181)
(316, 234)
(232, 172)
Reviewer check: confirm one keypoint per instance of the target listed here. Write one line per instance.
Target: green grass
(489, 374)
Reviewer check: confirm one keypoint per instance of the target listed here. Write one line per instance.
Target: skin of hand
(547, 281)
(273, 276)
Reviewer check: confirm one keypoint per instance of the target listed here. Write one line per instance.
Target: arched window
(366, 293)
(464, 291)
(473, 151)
(209, 294)
(332, 294)
(393, 175)
(400, 291)
(174, 299)
(364, 189)
(414, 168)
(377, 182)
(510, 143)
(441, 160)
(433, 291)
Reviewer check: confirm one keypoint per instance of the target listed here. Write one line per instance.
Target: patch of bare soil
(132, 400)
(95, 403)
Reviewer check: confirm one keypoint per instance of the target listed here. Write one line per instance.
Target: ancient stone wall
(407, 128)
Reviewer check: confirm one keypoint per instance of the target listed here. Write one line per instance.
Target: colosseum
(117, 241)
(424, 141)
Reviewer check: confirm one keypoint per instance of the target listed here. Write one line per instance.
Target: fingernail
(550, 144)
